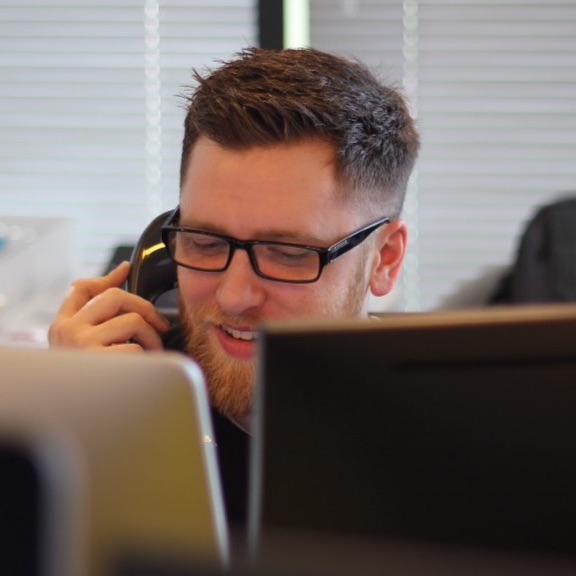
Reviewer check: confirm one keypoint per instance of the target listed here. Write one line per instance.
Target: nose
(240, 289)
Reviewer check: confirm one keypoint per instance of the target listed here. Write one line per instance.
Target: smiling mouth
(245, 335)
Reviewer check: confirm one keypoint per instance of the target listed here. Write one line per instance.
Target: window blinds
(493, 84)
(90, 117)
(90, 120)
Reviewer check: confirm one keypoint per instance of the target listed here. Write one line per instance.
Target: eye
(195, 243)
(287, 255)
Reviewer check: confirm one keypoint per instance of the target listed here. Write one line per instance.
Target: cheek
(303, 302)
(194, 286)
(308, 301)
(325, 298)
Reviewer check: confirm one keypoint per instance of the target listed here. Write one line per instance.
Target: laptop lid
(141, 430)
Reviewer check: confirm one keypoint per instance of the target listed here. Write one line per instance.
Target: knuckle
(135, 322)
(80, 284)
(116, 292)
(133, 317)
(62, 333)
(53, 333)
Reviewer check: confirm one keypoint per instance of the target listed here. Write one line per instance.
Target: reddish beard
(230, 382)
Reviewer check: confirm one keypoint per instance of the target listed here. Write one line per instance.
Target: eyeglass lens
(276, 261)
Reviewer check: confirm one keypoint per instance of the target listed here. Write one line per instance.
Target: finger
(128, 347)
(82, 291)
(118, 302)
(126, 329)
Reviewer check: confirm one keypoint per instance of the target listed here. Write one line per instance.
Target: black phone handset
(152, 273)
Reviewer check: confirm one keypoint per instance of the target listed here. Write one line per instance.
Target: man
(286, 154)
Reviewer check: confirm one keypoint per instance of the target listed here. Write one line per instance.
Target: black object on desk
(21, 510)
(446, 433)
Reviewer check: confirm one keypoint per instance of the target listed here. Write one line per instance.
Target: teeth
(240, 334)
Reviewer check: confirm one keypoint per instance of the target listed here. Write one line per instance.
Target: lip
(236, 348)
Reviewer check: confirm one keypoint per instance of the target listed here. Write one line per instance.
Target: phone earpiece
(152, 273)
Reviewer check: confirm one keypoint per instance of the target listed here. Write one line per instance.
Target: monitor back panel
(454, 429)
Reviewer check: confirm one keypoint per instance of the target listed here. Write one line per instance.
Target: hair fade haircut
(268, 97)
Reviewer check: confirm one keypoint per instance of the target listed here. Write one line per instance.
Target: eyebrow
(273, 235)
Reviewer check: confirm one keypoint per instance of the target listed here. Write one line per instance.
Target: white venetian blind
(90, 125)
(497, 109)
(370, 30)
(494, 86)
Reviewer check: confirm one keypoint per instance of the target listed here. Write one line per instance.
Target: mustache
(191, 316)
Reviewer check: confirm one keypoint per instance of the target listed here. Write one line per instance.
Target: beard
(230, 382)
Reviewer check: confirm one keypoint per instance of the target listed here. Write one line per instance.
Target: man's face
(286, 193)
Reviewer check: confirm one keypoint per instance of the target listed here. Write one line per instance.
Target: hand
(97, 313)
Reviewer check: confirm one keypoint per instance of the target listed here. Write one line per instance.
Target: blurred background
(90, 122)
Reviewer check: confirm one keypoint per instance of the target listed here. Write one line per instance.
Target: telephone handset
(152, 273)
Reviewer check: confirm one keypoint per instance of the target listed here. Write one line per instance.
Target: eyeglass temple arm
(340, 248)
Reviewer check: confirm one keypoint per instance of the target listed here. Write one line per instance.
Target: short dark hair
(267, 97)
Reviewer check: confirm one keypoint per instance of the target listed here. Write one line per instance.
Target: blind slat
(86, 88)
(494, 86)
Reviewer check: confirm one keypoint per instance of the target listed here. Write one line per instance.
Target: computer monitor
(447, 429)
(121, 451)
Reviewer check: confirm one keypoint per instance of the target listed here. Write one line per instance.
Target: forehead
(247, 191)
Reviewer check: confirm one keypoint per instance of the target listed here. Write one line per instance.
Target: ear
(391, 249)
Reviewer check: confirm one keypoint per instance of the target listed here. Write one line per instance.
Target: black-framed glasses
(279, 261)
